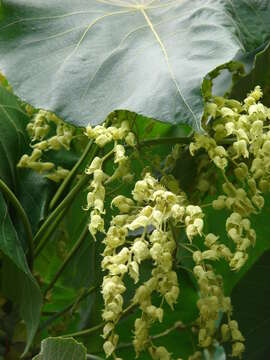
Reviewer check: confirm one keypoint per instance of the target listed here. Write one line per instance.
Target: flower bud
(237, 349)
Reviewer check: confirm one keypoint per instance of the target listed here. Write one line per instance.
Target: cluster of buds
(245, 128)
(216, 153)
(120, 136)
(239, 200)
(164, 282)
(239, 230)
(211, 302)
(96, 196)
(39, 127)
(152, 207)
(231, 332)
(260, 167)
(193, 221)
(33, 162)
(103, 135)
(39, 130)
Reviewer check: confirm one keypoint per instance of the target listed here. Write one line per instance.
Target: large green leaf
(61, 349)
(251, 302)
(83, 59)
(18, 284)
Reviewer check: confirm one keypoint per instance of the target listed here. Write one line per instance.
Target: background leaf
(84, 59)
(260, 75)
(61, 349)
(251, 299)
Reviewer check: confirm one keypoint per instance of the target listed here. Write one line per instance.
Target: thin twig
(177, 326)
(86, 331)
(93, 357)
(48, 233)
(67, 309)
(70, 176)
(166, 140)
(65, 204)
(70, 255)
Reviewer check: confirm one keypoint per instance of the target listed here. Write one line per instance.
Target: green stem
(24, 218)
(48, 233)
(66, 309)
(178, 325)
(70, 176)
(72, 252)
(66, 202)
(86, 331)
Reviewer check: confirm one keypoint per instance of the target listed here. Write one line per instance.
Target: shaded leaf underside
(84, 59)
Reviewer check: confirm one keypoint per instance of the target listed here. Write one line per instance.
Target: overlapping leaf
(61, 349)
(17, 282)
(83, 59)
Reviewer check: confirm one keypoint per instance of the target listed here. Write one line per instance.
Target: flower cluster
(143, 229)
(239, 132)
(39, 130)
